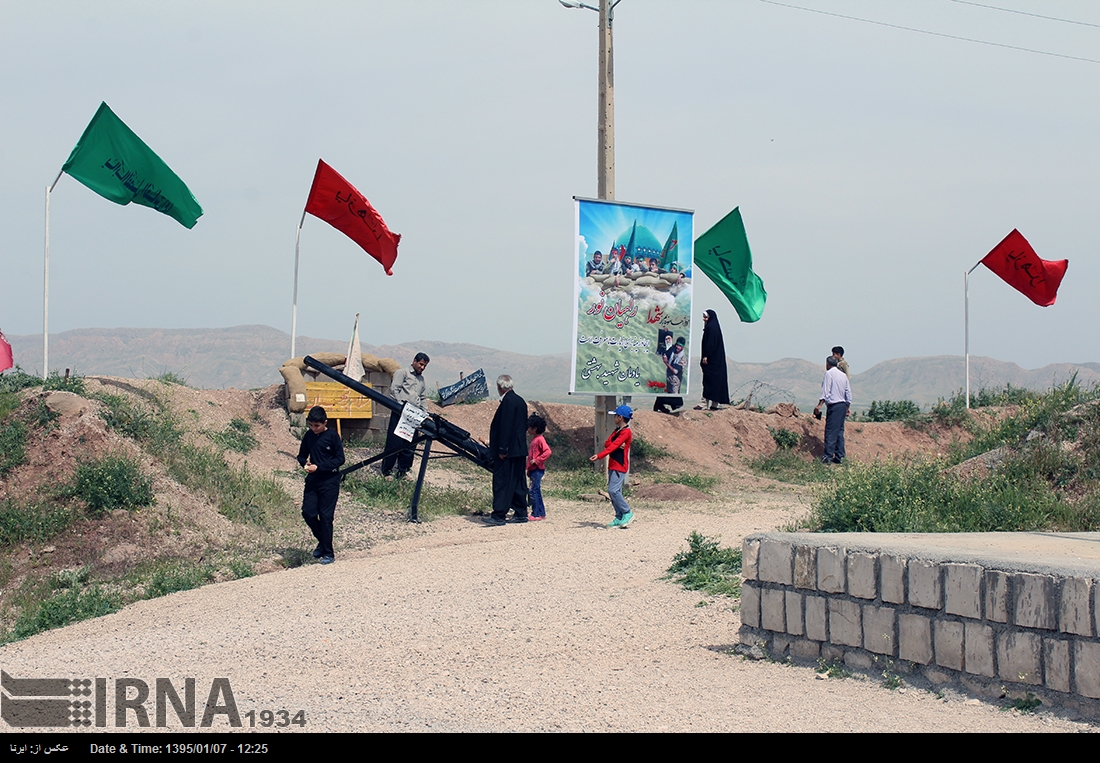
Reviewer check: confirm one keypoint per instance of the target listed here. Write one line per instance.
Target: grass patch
(62, 599)
(176, 575)
(34, 523)
(112, 482)
(237, 436)
(1046, 478)
(700, 482)
(376, 492)
(13, 445)
(707, 567)
(642, 449)
(238, 493)
(791, 466)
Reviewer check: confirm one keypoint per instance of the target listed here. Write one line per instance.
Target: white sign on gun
(411, 417)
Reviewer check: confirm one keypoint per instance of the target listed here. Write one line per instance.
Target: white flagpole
(966, 327)
(46, 285)
(294, 310)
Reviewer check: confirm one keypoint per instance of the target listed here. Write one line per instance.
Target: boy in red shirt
(618, 448)
(537, 453)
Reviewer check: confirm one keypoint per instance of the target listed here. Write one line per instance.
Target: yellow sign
(338, 401)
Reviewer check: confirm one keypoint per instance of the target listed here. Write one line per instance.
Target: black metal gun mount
(433, 428)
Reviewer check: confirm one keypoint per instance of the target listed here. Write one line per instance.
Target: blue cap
(622, 410)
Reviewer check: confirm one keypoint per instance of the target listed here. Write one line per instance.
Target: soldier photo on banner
(632, 274)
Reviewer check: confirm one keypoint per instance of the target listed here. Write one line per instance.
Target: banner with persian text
(632, 299)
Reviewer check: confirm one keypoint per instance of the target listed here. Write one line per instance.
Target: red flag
(5, 353)
(335, 200)
(1021, 268)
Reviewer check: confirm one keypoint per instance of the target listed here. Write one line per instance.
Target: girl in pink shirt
(537, 453)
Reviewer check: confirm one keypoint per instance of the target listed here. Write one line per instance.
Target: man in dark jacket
(508, 445)
(322, 455)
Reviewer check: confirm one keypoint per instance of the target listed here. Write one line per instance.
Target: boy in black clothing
(322, 455)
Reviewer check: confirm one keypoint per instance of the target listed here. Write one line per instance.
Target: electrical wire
(1025, 13)
(934, 34)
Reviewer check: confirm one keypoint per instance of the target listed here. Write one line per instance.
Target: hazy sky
(872, 165)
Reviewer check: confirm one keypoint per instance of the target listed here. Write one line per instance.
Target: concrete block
(781, 643)
(862, 582)
(983, 687)
(878, 630)
(794, 613)
(772, 608)
(845, 623)
(805, 650)
(915, 638)
(750, 638)
(1086, 668)
(962, 590)
(1019, 657)
(996, 596)
(832, 654)
(924, 584)
(750, 605)
(949, 643)
(830, 570)
(1056, 664)
(750, 556)
(979, 650)
(776, 562)
(858, 660)
(805, 567)
(1073, 614)
(816, 622)
(1034, 602)
(937, 676)
(892, 578)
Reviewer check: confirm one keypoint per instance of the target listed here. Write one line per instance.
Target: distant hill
(246, 357)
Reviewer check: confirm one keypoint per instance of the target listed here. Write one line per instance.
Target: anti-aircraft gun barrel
(434, 427)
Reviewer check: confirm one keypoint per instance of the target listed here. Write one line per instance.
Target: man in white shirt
(836, 395)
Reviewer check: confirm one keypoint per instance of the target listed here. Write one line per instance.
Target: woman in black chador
(716, 388)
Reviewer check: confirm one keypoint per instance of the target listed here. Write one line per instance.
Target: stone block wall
(812, 597)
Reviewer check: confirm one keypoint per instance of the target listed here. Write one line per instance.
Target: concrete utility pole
(605, 166)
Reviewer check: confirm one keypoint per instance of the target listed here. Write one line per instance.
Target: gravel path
(552, 626)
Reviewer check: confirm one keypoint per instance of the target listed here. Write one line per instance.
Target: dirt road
(554, 626)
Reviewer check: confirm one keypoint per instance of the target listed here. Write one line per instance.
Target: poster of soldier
(632, 319)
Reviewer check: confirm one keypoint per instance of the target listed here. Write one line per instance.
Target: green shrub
(785, 439)
(16, 379)
(707, 567)
(892, 410)
(55, 381)
(112, 482)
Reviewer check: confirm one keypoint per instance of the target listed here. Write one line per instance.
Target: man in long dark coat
(508, 446)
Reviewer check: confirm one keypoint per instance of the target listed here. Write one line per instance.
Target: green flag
(723, 254)
(670, 254)
(114, 162)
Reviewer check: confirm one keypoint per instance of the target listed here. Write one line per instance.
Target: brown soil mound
(668, 491)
